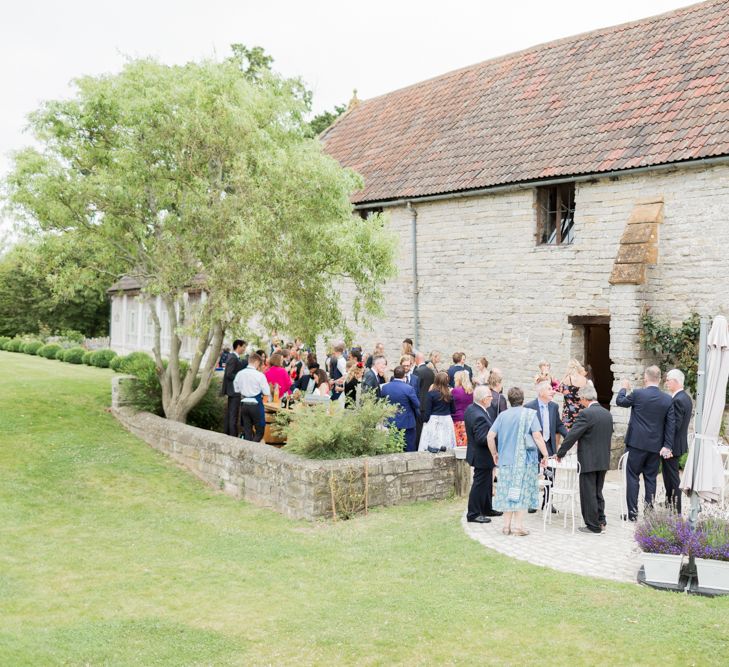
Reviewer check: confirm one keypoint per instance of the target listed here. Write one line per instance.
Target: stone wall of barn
(488, 289)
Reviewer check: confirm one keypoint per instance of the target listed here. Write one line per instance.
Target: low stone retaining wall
(296, 487)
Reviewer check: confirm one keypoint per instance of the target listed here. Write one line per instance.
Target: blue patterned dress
(517, 488)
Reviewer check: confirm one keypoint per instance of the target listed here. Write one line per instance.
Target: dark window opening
(556, 214)
(365, 213)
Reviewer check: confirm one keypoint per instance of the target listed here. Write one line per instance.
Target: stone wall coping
(237, 445)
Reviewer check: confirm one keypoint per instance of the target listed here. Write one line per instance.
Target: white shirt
(249, 383)
(342, 366)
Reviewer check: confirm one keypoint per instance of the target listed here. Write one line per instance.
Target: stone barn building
(543, 199)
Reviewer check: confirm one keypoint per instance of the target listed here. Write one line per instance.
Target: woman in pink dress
(277, 374)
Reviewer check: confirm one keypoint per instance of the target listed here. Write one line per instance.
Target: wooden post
(331, 490)
(462, 478)
(366, 485)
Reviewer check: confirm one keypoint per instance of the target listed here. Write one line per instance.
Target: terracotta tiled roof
(645, 93)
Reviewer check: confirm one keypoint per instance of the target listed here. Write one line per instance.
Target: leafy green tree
(27, 303)
(201, 174)
(322, 121)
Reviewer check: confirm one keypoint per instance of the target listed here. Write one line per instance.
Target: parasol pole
(698, 426)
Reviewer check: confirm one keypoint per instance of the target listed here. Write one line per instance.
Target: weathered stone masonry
(297, 488)
(486, 288)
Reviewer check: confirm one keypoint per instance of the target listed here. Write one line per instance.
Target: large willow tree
(201, 174)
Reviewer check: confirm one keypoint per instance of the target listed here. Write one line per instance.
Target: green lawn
(111, 555)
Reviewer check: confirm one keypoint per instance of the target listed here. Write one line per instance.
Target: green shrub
(49, 350)
(61, 353)
(87, 357)
(116, 362)
(14, 345)
(316, 434)
(3, 341)
(130, 362)
(101, 358)
(145, 393)
(72, 337)
(32, 347)
(74, 355)
(209, 413)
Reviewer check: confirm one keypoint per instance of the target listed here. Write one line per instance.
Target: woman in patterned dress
(462, 397)
(520, 435)
(575, 378)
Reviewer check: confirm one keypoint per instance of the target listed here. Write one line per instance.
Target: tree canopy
(27, 303)
(204, 172)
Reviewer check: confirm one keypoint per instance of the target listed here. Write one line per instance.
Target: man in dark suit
(425, 377)
(551, 423)
(406, 361)
(675, 441)
(234, 363)
(650, 417)
(371, 378)
(400, 393)
(593, 428)
(477, 420)
(459, 364)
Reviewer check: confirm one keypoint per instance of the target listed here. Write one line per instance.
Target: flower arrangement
(662, 531)
(710, 540)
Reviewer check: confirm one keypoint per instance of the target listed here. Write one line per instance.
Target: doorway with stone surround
(594, 330)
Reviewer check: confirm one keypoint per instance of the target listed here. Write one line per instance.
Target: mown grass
(111, 555)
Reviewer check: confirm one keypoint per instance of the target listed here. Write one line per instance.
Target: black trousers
(640, 462)
(672, 482)
(418, 431)
(592, 502)
(250, 416)
(231, 415)
(479, 500)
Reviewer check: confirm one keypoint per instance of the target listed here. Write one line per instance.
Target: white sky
(373, 46)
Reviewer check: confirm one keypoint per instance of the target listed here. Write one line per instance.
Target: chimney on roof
(354, 101)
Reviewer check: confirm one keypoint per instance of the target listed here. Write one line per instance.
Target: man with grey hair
(675, 440)
(551, 424)
(650, 418)
(593, 428)
(477, 419)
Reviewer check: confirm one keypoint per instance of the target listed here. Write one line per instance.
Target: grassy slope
(109, 554)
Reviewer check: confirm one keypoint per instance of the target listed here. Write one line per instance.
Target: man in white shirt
(252, 386)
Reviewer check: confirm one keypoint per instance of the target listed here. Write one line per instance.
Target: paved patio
(610, 555)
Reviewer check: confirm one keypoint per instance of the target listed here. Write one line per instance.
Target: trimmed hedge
(102, 358)
(127, 363)
(14, 345)
(87, 357)
(60, 354)
(49, 350)
(74, 355)
(3, 341)
(32, 347)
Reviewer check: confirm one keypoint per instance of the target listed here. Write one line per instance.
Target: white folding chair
(565, 484)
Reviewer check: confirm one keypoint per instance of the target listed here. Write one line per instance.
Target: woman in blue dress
(519, 436)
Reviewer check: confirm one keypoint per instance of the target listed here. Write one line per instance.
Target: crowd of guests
(442, 406)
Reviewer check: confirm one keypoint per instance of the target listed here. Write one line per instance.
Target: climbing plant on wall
(675, 347)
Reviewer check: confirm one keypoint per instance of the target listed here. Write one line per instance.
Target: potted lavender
(710, 547)
(662, 536)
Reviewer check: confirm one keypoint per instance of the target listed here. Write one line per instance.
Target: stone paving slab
(611, 555)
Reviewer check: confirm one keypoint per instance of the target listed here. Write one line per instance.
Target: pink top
(462, 401)
(279, 376)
